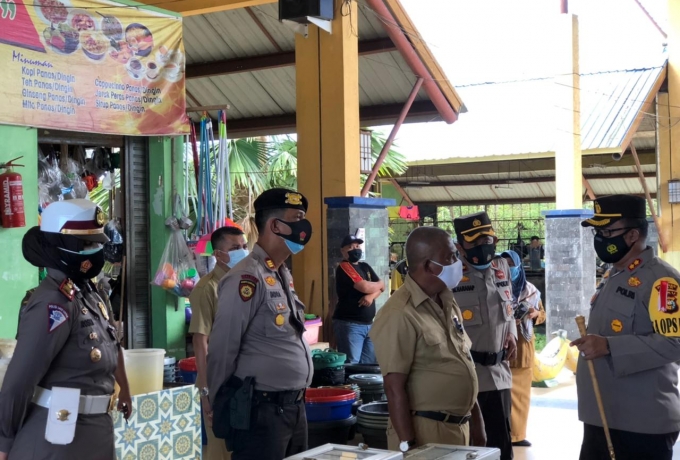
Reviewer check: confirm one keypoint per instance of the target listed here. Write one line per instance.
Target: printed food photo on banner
(94, 66)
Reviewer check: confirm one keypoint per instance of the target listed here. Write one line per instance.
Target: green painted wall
(168, 328)
(16, 275)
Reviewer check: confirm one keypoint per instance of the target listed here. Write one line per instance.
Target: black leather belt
(442, 417)
(280, 398)
(487, 358)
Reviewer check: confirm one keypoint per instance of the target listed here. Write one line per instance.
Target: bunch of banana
(549, 362)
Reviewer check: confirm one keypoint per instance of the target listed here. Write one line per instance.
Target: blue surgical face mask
(514, 273)
(481, 267)
(236, 256)
(294, 248)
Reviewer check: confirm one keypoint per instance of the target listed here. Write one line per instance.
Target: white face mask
(235, 256)
(451, 274)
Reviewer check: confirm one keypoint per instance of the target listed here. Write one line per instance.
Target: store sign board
(91, 66)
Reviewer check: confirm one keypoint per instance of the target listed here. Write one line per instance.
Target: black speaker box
(298, 10)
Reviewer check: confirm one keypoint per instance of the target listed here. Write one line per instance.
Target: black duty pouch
(521, 311)
(241, 405)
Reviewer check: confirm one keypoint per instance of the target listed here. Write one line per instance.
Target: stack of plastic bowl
(187, 370)
(169, 369)
(372, 421)
(329, 369)
(355, 369)
(329, 415)
(6, 352)
(371, 385)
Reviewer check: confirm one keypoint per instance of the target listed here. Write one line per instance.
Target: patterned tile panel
(164, 426)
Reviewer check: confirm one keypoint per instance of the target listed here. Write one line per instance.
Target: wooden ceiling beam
(273, 61)
(504, 181)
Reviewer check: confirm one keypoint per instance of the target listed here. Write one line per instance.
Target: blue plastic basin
(326, 412)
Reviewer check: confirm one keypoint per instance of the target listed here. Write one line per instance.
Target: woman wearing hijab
(58, 389)
(529, 313)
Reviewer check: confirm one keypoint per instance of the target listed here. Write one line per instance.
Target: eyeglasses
(607, 233)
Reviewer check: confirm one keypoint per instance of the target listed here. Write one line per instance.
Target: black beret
(280, 198)
(610, 209)
(469, 228)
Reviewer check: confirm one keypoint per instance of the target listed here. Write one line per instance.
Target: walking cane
(581, 323)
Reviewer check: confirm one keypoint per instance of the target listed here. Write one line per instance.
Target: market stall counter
(165, 425)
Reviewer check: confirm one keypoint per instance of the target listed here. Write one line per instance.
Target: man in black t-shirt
(357, 286)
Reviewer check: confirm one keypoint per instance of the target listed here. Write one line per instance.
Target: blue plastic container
(188, 377)
(326, 412)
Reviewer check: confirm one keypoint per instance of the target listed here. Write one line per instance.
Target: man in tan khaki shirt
(424, 352)
(229, 247)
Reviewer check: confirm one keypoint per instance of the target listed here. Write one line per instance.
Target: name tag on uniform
(62, 415)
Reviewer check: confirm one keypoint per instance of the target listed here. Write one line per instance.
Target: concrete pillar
(569, 180)
(570, 274)
(327, 93)
(346, 215)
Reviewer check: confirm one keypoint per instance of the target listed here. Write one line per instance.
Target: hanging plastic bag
(177, 270)
(113, 250)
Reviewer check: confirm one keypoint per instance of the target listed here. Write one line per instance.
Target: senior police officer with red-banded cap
(58, 390)
(633, 340)
(259, 364)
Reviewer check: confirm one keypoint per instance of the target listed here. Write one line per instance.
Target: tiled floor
(554, 428)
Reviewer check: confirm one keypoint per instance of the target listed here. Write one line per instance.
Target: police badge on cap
(610, 209)
(80, 218)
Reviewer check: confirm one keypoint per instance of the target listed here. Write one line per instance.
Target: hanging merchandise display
(177, 272)
(12, 202)
(223, 175)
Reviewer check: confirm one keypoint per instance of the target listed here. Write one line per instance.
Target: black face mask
(354, 255)
(481, 255)
(82, 266)
(300, 234)
(611, 250)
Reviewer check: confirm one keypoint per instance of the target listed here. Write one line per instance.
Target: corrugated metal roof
(514, 118)
(384, 78)
(520, 192)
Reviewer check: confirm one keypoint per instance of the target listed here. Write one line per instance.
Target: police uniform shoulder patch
(500, 275)
(663, 307)
(252, 278)
(246, 289)
(270, 280)
(57, 315)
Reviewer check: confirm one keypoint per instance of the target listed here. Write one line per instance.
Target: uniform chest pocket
(89, 334)
(471, 313)
(277, 320)
(506, 304)
(621, 315)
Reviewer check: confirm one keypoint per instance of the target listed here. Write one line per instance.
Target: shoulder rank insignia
(246, 289)
(68, 289)
(465, 279)
(57, 316)
(606, 274)
(105, 312)
(634, 264)
(500, 275)
(269, 263)
(270, 280)
(634, 281)
(292, 286)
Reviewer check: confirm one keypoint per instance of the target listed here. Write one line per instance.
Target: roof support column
(327, 79)
(569, 178)
(668, 112)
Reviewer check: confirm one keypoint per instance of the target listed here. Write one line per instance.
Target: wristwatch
(205, 392)
(405, 446)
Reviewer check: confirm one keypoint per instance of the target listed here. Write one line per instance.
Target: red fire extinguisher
(11, 197)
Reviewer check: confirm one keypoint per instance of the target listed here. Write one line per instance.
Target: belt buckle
(447, 418)
(490, 359)
(464, 420)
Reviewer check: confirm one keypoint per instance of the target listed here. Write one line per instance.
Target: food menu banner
(91, 66)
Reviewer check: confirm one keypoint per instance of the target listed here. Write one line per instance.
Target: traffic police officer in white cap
(57, 393)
